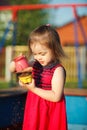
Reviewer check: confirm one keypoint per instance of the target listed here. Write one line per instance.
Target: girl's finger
(29, 69)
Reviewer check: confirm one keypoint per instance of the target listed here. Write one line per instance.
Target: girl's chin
(43, 64)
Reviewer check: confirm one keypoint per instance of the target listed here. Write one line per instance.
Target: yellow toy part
(26, 79)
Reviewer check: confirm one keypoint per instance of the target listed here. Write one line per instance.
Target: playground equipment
(76, 113)
(13, 21)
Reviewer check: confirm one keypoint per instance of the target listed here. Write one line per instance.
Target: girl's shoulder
(60, 65)
(57, 66)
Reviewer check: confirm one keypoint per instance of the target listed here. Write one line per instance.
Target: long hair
(49, 37)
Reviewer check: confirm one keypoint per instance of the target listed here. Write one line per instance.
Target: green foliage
(4, 85)
(28, 20)
(19, 2)
(14, 83)
(75, 84)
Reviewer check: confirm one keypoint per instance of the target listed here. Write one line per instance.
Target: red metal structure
(16, 8)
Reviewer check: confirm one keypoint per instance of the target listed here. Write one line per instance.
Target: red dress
(41, 114)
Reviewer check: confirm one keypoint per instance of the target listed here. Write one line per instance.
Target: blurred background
(69, 18)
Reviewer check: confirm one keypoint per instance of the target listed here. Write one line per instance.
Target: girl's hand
(29, 86)
(12, 67)
(29, 69)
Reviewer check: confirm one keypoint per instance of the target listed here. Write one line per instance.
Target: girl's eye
(43, 54)
(34, 54)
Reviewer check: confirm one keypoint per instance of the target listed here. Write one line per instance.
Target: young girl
(45, 105)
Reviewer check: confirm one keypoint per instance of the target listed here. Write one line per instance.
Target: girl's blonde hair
(49, 37)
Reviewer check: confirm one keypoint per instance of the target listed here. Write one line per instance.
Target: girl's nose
(38, 57)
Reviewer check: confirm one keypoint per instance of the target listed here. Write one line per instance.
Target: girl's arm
(56, 93)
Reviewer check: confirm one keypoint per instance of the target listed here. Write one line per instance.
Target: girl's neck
(51, 64)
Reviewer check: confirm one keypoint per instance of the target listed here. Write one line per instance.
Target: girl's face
(42, 54)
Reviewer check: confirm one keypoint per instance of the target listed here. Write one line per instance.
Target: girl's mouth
(41, 62)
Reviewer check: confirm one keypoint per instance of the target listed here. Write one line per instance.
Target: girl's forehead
(39, 47)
